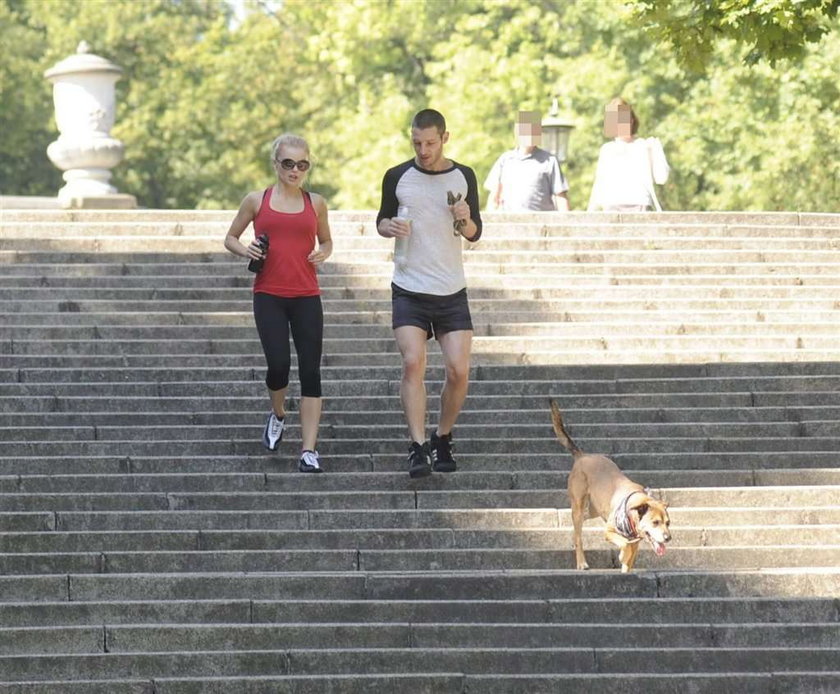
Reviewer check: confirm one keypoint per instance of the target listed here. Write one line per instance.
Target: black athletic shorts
(437, 315)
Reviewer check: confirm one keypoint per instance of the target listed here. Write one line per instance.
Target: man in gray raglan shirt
(428, 204)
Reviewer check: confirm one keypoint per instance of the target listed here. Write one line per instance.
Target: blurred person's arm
(493, 183)
(658, 164)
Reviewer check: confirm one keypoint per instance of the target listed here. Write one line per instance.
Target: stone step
(532, 346)
(239, 325)
(355, 473)
(644, 251)
(687, 537)
(368, 217)
(522, 239)
(481, 271)
(245, 411)
(439, 683)
(168, 290)
(216, 223)
(718, 611)
(345, 283)
(483, 430)
(396, 447)
(65, 397)
(394, 635)
(462, 585)
(720, 350)
(660, 469)
(414, 495)
(728, 558)
(553, 309)
(513, 380)
(344, 519)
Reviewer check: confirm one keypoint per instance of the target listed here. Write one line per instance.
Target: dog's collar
(623, 522)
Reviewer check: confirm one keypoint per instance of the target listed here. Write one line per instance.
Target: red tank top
(291, 238)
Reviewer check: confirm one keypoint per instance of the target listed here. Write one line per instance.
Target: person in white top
(628, 166)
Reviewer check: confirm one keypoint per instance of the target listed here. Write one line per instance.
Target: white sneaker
(273, 433)
(309, 462)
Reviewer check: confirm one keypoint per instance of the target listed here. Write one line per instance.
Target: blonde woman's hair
(289, 140)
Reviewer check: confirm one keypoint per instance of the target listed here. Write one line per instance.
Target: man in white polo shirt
(429, 205)
(527, 177)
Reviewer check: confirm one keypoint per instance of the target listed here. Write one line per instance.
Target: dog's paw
(583, 567)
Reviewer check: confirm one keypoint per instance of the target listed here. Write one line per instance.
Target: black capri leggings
(274, 315)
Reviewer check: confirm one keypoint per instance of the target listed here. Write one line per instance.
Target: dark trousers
(304, 315)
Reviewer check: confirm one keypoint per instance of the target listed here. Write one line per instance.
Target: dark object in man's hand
(257, 265)
(458, 224)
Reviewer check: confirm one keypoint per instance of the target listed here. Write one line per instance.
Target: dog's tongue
(659, 548)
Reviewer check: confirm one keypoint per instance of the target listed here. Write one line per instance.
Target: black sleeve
(389, 204)
(472, 200)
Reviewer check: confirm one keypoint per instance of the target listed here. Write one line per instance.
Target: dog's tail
(560, 430)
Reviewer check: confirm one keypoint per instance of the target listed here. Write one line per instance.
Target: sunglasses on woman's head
(290, 164)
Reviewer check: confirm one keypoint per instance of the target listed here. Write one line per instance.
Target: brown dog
(597, 486)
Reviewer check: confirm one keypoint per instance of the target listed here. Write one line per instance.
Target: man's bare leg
(412, 345)
(456, 347)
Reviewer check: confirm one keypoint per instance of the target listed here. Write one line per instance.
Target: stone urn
(83, 91)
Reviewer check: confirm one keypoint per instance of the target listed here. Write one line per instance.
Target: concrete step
(450, 683)
(181, 411)
(344, 519)
(479, 270)
(715, 468)
(604, 611)
(171, 289)
(461, 585)
(368, 217)
(251, 428)
(141, 513)
(397, 448)
(85, 274)
(394, 635)
(118, 248)
(415, 495)
(396, 539)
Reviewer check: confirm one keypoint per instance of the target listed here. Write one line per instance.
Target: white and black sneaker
(273, 432)
(309, 462)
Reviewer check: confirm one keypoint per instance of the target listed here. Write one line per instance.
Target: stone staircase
(148, 543)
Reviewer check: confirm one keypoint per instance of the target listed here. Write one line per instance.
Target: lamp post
(556, 132)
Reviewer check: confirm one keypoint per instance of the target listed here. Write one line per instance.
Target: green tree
(25, 108)
(202, 96)
(770, 29)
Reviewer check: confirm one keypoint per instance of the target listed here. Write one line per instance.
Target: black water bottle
(257, 265)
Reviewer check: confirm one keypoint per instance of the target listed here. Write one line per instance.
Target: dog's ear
(639, 505)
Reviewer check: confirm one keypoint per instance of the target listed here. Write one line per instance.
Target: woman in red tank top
(287, 298)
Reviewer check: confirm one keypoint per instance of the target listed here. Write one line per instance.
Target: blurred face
(291, 165)
(528, 129)
(618, 122)
(428, 147)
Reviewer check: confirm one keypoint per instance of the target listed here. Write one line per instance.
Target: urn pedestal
(84, 95)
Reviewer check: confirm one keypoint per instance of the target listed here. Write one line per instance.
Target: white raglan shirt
(429, 261)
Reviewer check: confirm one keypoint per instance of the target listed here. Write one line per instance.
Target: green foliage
(770, 29)
(203, 96)
(25, 108)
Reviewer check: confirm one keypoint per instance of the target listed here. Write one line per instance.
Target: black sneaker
(441, 448)
(419, 463)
